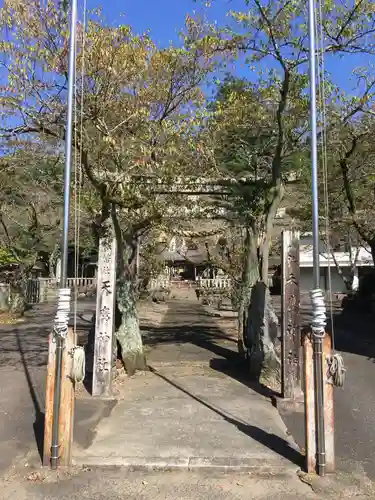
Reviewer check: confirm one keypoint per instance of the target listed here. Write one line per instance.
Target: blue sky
(166, 17)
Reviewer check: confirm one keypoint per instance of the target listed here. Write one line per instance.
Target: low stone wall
(39, 291)
(4, 297)
(42, 290)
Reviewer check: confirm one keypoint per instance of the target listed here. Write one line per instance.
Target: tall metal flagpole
(64, 294)
(318, 306)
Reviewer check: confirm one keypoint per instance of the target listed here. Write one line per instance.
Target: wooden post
(329, 424)
(310, 420)
(105, 316)
(309, 393)
(66, 402)
(290, 313)
(50, 389)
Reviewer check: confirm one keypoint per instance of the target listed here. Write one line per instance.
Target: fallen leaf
(35, 477)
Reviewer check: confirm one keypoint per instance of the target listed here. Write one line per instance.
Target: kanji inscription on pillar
(290, 311)
(105, 307)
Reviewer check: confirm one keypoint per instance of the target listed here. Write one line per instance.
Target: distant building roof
(198, 256)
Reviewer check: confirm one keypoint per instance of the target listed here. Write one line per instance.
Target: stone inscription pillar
(290, 312)
(105, 317)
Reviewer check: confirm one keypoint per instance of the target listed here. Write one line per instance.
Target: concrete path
(193, 409)
(117, 484)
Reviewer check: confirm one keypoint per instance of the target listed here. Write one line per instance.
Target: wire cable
(336, 369)
(78, 162)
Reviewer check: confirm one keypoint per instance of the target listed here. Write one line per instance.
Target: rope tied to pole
(336, 369)
(319, 318)
(79, 364)
(60, 327)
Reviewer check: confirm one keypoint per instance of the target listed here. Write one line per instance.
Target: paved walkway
(193, 409)
(117, 484)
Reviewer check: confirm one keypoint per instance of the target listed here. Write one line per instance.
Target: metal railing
(159, 283)
(45, 289)
(214, 283)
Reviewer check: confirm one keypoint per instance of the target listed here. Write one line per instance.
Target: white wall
(306, 279)
(364, 257)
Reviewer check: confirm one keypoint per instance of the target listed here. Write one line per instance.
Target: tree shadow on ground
(227, 360)
(38, 425)
(239, 371)
(271, 441)
(213, 340)
(207, 338)
(34, 342)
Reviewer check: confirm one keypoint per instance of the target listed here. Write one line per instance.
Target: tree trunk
(250, 276)
(347, 282)
(53, 261)
(262, 327)
(372, 247)
(355, 279)
(128, 334)
(262, 333)
(4, 297)
(17, 300)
